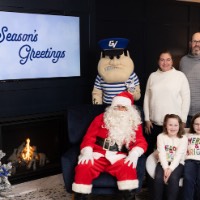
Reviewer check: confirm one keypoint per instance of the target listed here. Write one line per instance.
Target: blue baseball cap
(113, 43)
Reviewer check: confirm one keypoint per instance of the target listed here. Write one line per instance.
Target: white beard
(121, 125)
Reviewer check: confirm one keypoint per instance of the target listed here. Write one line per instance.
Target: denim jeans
(191, 181)
(172, 185)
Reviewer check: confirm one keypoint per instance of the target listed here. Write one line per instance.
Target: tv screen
(39, 46)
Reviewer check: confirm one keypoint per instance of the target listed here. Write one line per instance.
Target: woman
(167, 91)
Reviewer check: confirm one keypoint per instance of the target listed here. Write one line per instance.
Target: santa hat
(123, 99)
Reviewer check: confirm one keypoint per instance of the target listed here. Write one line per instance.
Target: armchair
(78, 120)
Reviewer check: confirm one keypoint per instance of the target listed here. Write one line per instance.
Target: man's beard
(196, 51)
(121, 125)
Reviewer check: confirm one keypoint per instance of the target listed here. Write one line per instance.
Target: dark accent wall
(150, 25)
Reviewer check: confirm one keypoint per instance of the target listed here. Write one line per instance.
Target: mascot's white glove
(86, 156)
(133, 156)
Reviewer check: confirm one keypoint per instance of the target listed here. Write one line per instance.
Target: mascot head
(115, 64)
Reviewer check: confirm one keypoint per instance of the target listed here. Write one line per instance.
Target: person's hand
(167, 173)
(86, 156)
(84, 159)
(148, 127)
(132, 159)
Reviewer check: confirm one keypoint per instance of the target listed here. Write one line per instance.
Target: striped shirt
(112, 89)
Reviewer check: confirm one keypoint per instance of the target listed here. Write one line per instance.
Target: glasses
(195, 41)
(119, 107)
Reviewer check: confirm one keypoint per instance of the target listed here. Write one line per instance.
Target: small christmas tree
(5, 171)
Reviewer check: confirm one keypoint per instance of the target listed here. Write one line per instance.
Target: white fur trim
(128, 184)
(86, 150)
(82, 188)
(113, 157)
(119, 100)
(137, 150)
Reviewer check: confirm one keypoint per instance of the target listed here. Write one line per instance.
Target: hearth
(34, 145)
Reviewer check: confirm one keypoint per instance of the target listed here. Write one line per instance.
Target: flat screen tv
(39, 46)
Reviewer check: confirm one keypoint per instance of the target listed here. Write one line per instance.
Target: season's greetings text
(26, 52)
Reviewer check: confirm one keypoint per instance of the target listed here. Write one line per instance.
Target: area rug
(52, 188)
(57, 192)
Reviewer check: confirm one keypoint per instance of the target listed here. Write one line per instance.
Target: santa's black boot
(80, 196)
(128, 195)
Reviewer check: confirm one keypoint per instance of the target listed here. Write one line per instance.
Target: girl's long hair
(192, 123)
(181, 130)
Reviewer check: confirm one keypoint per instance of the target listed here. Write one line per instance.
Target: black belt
(107, 145)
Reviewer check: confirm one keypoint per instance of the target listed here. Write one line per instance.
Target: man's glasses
(195, 41)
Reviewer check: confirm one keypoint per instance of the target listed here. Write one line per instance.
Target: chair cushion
(151, 163)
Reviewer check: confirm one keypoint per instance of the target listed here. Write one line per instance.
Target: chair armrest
(68, 162)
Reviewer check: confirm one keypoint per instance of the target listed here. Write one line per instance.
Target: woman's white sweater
(166, 93)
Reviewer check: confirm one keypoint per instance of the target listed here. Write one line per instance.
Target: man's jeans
(191, 181)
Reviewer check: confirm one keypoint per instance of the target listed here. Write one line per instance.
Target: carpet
(52, 188)
(59, 193)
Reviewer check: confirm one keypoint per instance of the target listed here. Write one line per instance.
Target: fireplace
(34, 145)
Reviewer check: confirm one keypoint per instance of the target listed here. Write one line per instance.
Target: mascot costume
(115, 72)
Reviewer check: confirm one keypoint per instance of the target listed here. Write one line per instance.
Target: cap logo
(112, 43)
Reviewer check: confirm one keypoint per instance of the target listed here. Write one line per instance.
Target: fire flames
(27, 155)
(27, 152)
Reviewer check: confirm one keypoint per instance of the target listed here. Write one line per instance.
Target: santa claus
(113, 143)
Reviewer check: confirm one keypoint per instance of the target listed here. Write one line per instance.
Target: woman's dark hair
(181, 130)
(164, 51)
(192, 123)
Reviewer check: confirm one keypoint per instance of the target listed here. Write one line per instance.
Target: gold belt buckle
(106, 144)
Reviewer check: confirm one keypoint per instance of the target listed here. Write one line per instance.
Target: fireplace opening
(34, 146)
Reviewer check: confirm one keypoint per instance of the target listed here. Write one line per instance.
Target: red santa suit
(105, 160)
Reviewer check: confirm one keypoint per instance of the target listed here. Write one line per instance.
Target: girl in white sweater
(191, 181)
(171, 146)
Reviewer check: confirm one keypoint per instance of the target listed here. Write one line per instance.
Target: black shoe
(80, 196)
(128, 195)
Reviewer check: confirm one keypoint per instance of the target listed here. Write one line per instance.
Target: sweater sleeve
(185, 94)
(180, 153)
(161, 151)
(146, 100)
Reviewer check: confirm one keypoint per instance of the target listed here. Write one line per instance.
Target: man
(113, 143)
(190, 66)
